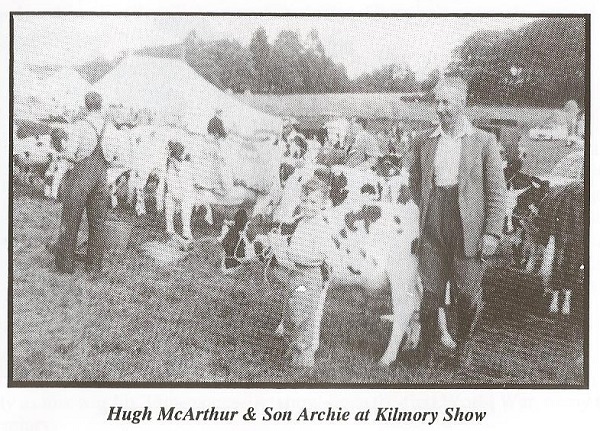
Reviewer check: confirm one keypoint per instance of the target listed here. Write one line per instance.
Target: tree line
(541, 63)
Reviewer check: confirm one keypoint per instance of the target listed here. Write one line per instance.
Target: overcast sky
(361, 44)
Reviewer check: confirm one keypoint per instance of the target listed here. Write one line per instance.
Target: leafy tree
(226, 64)
(285, 64)
(389, 78)
(259, 47)
(542, 63)
(429, 83)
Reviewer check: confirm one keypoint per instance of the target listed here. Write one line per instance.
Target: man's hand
(489, 244)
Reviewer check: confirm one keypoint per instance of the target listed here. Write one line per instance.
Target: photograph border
(11, 383)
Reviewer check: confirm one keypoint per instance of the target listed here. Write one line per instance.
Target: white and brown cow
(374, 227)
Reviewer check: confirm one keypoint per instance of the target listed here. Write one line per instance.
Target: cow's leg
(169, 212)
(566, 306)
(113, 196)
(132, 189)
(160, 194)
(280, 330)
(509, 224)
(140, 204)
(553, 308)
(548, 262)
(405, 300)
(209, 215)
(187, 208)
(533, 253)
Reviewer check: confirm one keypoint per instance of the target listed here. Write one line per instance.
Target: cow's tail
(548, 262)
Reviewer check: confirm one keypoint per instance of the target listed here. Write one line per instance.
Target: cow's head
(336, 132)
(388, 165)
(33, 152)
(58, 138)
(402, 136)
(177, 151)
(120, 190)
(266, 232)
(296, 147)
(529, 200)
(233, 242)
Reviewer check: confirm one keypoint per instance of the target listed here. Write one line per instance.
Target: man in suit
(458, 182)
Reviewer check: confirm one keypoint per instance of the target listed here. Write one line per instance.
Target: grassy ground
(190, 323)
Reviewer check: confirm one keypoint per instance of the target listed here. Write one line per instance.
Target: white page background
(75, 409)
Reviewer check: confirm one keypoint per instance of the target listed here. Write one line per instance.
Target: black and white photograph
(262, 200)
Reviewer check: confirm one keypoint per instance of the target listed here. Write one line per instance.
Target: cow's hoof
(448, 342)
(385, 362)
(279, 331)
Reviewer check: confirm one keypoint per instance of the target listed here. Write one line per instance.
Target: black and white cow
(550, 217)
(33, 150)
(59, 168)
(229, 174)
(374, 225)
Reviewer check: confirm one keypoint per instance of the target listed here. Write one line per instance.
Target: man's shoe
(62, 266)
(303, 360)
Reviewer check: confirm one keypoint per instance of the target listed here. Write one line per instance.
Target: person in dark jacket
(86, 189)
(215, 125)
(458, 182)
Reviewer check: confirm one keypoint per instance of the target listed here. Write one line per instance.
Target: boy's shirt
(309, 244)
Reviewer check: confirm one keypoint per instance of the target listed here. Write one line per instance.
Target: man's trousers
(85, 188)
(442, 259)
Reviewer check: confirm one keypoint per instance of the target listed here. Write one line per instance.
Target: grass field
(378, 105)
(190, 323)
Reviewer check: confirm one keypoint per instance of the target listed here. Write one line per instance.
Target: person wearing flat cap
(215, 125)
(85, 188)
(458, 182)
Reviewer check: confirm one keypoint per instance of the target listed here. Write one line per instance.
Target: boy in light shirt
(308, 250)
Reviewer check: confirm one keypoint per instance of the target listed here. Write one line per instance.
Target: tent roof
(26, 83)
(171, 86)
(67, 86)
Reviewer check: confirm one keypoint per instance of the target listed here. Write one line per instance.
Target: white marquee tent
(172, 87)
(67, 86)
(28, 94)
(26, 83)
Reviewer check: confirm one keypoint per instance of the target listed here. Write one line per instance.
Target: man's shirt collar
(465, 130)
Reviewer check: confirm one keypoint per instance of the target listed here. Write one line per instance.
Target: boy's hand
(489, 245)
